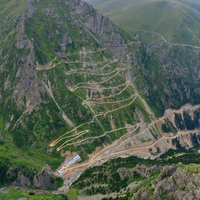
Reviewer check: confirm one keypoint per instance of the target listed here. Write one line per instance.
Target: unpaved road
(100, 158)
(176, 44)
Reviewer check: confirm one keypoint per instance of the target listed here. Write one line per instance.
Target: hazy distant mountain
(177, 21)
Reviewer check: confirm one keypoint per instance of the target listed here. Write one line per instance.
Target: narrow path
(78, 135)
(89, 83)
(96, 137)
(135, 96)
(49, 66)
(56, 141)
(109, 64)
(132, 43)
(116, 144)
(176, 44)
(148, 128)
(40, 68)
(113, 102)
(94, 83)
(99, 88)
(85, 72)
(112, 95)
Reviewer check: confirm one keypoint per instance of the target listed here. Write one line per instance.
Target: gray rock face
(173, 182)
(167, 172)
(22, 180)
(43, 181)
(71, 3)
(99, 25)
(29, 82)
(65, 41)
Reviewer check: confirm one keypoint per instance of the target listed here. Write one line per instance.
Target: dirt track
(176, 44)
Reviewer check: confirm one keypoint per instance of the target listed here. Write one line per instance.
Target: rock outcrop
(22, 180)
(101, 26)
(41, 180)
(173, 182)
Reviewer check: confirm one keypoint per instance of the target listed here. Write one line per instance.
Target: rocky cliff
(173, 182)
(20, 176)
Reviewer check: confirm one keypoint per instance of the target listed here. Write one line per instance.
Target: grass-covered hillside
(177, 21)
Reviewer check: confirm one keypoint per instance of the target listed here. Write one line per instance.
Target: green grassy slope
(177, 21)
(16, 194)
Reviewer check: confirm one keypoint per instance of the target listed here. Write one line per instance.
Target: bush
(4, 167)
(1, 142)
(166, 129)
(59, 181)
(179, 121)
(189, 123)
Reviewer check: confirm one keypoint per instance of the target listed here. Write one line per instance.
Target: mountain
(177, 21)
(76, 90)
